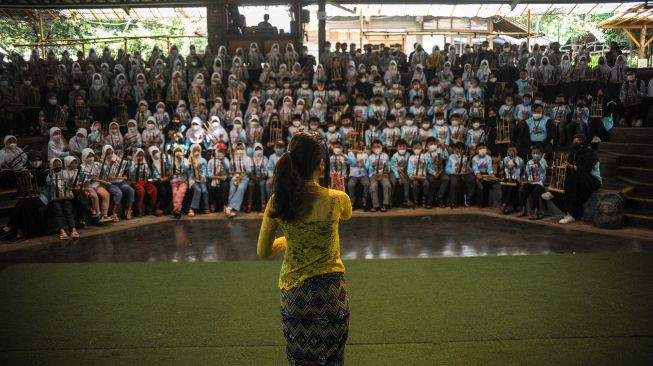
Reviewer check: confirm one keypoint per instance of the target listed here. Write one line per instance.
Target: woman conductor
(314, 304)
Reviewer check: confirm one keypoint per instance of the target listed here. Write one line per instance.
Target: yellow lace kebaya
(311, 240)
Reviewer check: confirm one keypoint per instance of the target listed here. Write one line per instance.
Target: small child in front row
(419, 167)
(338, 161)
(482, 168)
(377, 169)
(438, 154)
(534, 186)
(398, 165)
(512, 167)
(198, 172)
(61, 197)
(458, 169)
(218, 168)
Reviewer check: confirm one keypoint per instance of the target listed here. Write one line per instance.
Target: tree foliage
(26, 31)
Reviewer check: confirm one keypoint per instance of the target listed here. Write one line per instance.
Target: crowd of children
(131, 136)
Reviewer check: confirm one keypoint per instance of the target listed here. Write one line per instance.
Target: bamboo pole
(642, 43)
(528, 26)
(41, 36)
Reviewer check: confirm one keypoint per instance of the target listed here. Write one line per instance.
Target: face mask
(90, 159)
(238, 127)
(493, 80)
(240, 152)
(377, 84)
(455, 123)
(438, 102)
(232, 82)
(401, 151)
(258, 153)
(433, 148)
(196, 128)
(476, 125)
(509, 102)
(52, 101)
(314, 127)
(439, 122)
(332, 128)
(409, 122)
(631, 77)
(512, 154)
(36, 163)
(150, 127)
(305, 86)
(536, 157)
(527, 102)
(376, 150)
(482, 152)
(397, 105)
(426, 126)
(278, 151)
(296, 123)
(362, 80)
(337, 151)
(417, 151)
(372, 128)
(537, 115)
(391, 124)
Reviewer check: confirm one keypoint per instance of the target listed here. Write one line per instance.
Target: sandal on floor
(64, 236)
(191, 213)
(74, 234)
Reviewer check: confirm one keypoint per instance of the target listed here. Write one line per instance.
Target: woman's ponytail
(293, 168)
(288, 189)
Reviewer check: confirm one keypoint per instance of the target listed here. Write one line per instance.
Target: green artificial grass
(589, 309)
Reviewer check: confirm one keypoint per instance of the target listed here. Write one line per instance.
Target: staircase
(631, 151)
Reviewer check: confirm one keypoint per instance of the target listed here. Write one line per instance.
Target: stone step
(644, 161)
(7, 194)
(6, 207)
(641, 135)
(636, 173)
(627, 148)
(609, 163)
(637, 220)
(642, 204)
(641, 188)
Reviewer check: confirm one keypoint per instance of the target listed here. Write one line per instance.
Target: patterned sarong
(315, 318)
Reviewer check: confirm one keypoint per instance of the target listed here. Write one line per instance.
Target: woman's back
(311, 239)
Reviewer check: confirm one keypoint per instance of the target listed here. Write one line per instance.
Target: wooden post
(124, 40)
(642, 43)
(321, 25)
(490, 37)
(216, 26)
(360, 31)
(42, 36)
(528, 27)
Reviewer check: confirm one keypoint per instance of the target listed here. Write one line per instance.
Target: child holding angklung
(534, 186)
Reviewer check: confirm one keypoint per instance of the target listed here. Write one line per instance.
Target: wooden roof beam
(632, 38)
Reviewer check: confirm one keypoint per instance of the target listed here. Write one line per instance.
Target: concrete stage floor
(400, 233)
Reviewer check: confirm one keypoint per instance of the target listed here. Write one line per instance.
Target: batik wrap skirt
(315, 319)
